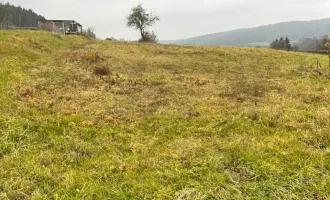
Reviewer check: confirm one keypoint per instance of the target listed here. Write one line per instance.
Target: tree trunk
(142, 33)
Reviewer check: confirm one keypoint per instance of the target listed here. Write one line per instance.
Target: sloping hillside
(88, 119)
(262, 35)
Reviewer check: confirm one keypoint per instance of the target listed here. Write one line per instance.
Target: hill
(90, 119)
(261, 36)
(18, 16)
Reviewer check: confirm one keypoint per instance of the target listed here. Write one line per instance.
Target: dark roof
(56, 20)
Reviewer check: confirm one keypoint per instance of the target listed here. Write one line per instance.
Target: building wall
(46, 25)
(58, 27)
(66, 25)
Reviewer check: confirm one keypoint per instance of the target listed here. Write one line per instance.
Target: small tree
(288, 43)
(90, 32)
(274, 44)
(141, 20)
(282, 43)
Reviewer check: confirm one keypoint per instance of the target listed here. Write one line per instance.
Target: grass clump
(89, 119)
(102, 70)
(92, 57)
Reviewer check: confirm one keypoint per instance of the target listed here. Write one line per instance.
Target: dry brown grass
(160, 121)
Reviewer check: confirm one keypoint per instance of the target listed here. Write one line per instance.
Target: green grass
(88, 119)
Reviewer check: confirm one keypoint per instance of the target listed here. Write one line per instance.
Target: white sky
(179, 18)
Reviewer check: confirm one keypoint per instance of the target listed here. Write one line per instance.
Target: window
(73, 27)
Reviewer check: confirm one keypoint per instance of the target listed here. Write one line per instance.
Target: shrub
(149, 37)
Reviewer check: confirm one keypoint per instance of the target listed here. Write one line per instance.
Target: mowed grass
(88, 119)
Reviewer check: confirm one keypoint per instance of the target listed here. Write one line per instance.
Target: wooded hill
(261, 36)
(18, 16)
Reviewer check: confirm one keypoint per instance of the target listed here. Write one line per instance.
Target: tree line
(282, 44)
(11, 15)
(314, 44)
(306, 44)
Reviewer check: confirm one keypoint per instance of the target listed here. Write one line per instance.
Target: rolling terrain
(261, 36)
(91, 119)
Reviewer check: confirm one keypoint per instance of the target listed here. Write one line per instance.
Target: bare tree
(90, 32)
(314, 43)
(141, 20)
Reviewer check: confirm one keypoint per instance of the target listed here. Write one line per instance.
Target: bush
(149, 37)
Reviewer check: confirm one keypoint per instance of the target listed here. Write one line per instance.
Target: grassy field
(87, 119)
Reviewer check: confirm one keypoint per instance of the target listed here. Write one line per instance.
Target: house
(60, 26)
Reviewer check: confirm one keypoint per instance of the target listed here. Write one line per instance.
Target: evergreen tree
(18, 16)
(282, 44)
(288, 43)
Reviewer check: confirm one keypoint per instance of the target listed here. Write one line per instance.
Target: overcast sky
(179, 18)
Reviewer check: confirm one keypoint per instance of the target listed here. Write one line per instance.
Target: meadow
(92, 119)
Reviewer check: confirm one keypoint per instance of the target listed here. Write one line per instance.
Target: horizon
(113, 24)
(251, 28)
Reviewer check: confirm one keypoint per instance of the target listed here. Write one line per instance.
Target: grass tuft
(102, 70)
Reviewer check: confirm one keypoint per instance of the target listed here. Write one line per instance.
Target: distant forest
(263, 35)
(11, 15)
(315, 44)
